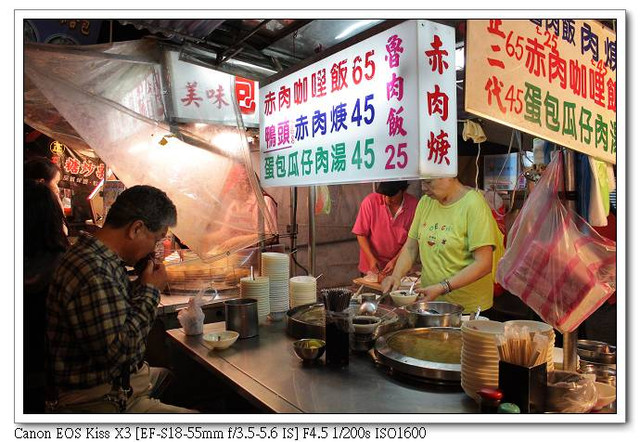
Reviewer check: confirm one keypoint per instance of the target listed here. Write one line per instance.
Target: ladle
(370, 307)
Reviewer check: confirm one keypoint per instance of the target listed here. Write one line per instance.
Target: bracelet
(446, 285)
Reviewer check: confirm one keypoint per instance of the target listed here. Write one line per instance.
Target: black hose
(294, 231)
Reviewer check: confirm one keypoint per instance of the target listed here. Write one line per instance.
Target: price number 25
(397, 156)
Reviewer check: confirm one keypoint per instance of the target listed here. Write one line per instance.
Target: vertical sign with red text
(555, 79)
(437, 100)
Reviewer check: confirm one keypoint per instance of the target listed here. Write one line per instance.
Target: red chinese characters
(339, 76)
(217, 96)
(100, 171)
(395, 87)
(395, 122)
(394, 49)
(87, 168)
(439, 148)
(192, 96)
(438, 103)
(246, 95)
(494, 88)
(436, 56)
(319, 83)
(71, 165)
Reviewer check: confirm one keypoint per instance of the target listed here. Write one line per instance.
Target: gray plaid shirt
(97, 318)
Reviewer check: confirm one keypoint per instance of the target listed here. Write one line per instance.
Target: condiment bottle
(508, 408)
(489, 399)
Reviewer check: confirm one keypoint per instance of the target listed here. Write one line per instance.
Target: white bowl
(220, 340)
(402, 297)
(606, 395)
(479, 318)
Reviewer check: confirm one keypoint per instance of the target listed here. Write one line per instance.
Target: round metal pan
(438, 371)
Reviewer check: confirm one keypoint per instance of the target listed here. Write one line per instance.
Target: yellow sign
(555, 79)
(57, 148)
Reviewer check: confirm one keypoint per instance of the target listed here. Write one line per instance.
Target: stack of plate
(542, 327)
(479, 360)
(276, 267)
(302, 290)
(258, 289)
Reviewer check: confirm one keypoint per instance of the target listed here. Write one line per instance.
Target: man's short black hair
(391, 188)
(145, 203)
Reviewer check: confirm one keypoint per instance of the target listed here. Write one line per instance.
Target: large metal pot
(434, 314)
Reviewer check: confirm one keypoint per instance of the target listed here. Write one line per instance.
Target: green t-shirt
(447, 237)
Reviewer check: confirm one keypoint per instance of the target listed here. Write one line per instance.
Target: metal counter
(266, 371)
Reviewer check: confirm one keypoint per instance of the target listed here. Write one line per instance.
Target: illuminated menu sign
(555, 79)
(382, 109)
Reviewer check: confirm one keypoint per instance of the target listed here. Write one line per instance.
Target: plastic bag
(192, 317)
(569, 392)
(555, 262)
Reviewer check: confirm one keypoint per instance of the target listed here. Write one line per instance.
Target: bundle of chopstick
(336, 300)
(519, 346)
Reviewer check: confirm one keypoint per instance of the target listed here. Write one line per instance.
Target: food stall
(365, 111)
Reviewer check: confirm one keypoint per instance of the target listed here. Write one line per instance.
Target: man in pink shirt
(382, 225)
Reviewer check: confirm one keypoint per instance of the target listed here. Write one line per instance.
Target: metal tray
(307, 321)
(438, 371)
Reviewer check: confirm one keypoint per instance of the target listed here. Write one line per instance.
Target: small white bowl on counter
(220, 340)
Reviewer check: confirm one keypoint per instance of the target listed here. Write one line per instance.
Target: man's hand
(388, 269)
(154, 274)
(390, 283)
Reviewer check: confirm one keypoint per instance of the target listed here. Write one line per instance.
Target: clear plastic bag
(191, 318)
(569, 392)
(555, 262)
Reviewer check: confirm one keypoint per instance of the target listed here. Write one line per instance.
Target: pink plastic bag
(555, 262)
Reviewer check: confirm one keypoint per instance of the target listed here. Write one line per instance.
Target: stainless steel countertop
(266, 370)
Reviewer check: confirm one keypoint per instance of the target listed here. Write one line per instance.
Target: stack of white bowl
(276, 267)
(544, 328)
(302, 290)
(258, 289)
(479, 359)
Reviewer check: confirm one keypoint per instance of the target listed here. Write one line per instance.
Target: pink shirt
(386, 233)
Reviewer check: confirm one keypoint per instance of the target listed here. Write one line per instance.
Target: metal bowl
(604, 372)
(596, 351)
(309, 349)
(434, 314)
